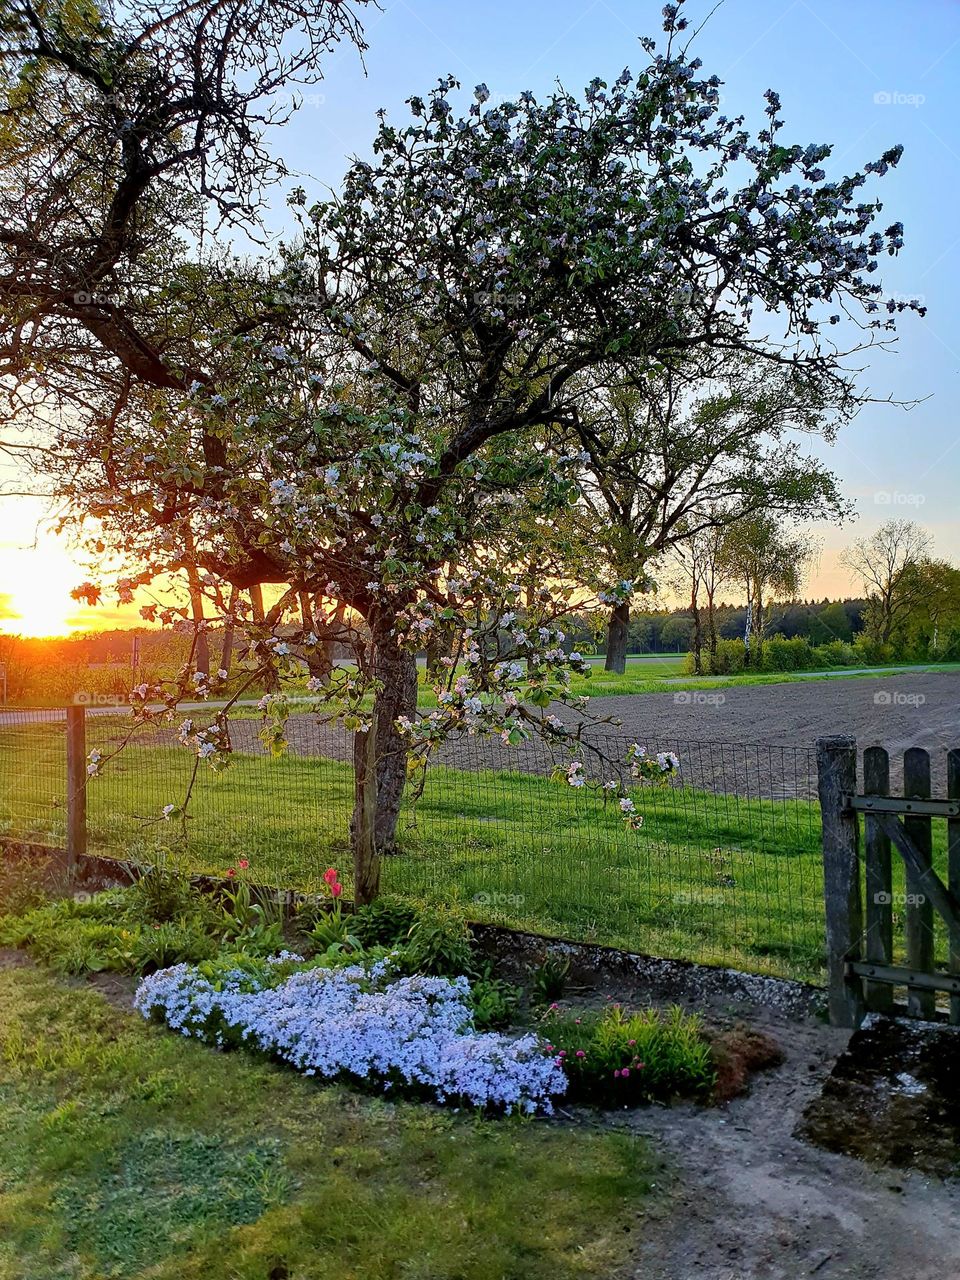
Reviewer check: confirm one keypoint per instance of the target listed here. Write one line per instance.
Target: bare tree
(886, 564)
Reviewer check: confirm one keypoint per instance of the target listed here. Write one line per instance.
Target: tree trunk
(226, 653)
(380, 765)
(697, 632)
(758, 626)
(617, 631)
(748, 632)
(712, 632)
(201, 653)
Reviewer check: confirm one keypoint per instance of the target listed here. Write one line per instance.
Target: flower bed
(360, 1022)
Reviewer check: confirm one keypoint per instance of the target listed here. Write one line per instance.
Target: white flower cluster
(653, 768)
(355, 1021)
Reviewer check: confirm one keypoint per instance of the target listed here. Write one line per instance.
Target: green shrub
(385, 923)
(780, 654)
(439, 944)
(836, 653)
(494, 1002)
(729, 659)
(624, 1059)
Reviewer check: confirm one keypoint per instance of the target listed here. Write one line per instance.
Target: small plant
(385, 923)
(494, 1002)
(550, 979)
(161, 894)
(620, 1058)
(174, 942)
(439, 944)
(331, 928)
(255, 926)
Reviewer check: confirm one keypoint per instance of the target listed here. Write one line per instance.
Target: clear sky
(860, 74)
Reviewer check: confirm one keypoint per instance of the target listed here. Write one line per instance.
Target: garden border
(679, 981)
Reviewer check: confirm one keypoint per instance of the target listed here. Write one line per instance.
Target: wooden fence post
(76, 786)
(953, 869)
(919, 913)
(836, 777)
(878, 941)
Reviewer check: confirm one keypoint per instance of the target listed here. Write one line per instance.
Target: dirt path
(752, 1202)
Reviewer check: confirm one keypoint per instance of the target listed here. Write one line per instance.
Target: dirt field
(751, 740)
(900, 711)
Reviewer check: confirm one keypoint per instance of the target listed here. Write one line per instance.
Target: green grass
(129, 1152)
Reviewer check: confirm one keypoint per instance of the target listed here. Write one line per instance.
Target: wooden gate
(859, 890)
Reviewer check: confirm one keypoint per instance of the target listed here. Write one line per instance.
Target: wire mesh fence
(725, 869)
(33, 775)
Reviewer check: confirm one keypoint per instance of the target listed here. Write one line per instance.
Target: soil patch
(892, 1098)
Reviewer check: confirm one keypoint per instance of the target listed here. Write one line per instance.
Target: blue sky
(861, 74)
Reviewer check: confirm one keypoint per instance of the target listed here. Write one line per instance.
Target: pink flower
(231, 872)
(562, 1053)
(581, 1054)
(330, 876)
(616, 1075)
(336, 890)
(631, 1043)
(243, 864)
(625, 1072)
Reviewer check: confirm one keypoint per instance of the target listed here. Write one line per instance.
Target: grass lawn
(128, 1151)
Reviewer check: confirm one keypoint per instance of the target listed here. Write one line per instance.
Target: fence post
(76, 786)
(953, 869)
(879, 880)
(919, 913)
(837, 776)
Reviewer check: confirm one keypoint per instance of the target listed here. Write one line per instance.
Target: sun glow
(35, 589)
